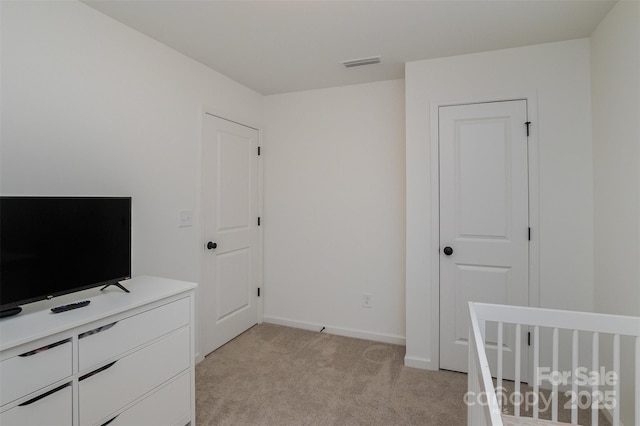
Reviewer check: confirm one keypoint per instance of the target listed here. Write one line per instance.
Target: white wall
(334, 210)
(557, 75)
(615, 76)
(615, 73)
(91, 107)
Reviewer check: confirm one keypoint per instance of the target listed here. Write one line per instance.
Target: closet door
(229, 302)
(484, 222)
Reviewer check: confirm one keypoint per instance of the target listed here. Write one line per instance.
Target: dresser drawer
(166, 406)
(51, 408)
(34, 369)
(112, 339)
(110, 388)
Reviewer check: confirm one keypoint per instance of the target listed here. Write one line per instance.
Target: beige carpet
(273, 375)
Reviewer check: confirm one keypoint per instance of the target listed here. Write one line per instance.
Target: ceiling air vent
(362, 61)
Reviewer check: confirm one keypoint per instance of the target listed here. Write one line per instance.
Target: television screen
(51, 246)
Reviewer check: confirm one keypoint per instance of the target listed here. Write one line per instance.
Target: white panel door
(230, 196)
(484, 222)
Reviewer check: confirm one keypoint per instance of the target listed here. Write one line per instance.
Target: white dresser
(125, 359)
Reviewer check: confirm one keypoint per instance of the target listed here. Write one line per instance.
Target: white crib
(488, 410)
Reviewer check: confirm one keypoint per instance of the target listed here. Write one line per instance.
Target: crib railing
(485, 405)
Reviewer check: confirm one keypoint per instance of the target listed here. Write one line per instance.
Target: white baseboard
(422, 363)
(338, 331)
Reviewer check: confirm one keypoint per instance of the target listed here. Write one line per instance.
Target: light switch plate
(185, 219)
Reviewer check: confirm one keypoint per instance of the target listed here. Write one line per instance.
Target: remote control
(70, 306)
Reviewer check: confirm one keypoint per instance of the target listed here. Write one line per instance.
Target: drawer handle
(44, 395)
(44, 348)
(109, 421)
(99, 370)
(97, 330)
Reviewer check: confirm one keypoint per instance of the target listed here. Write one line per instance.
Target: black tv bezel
(17, 304)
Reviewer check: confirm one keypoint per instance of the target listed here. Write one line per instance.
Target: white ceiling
(283, 46)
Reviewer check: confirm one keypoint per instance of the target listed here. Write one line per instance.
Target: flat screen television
(50, 246)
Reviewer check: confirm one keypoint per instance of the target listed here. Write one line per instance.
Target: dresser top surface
(37, 321)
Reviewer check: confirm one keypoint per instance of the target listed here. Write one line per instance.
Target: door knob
(448, 251)
(211, 245)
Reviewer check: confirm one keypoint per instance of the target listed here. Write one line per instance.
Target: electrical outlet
(367, 300)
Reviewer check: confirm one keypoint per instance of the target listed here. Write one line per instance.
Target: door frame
(534, 205)
(242, 121)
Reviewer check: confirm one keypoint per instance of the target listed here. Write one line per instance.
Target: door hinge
(258, 220)
(258, 291)
(259, 147)
(529, 338)
(529, 234)
(527, 123)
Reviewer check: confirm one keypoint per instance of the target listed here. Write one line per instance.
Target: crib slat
(594, 387)
(554, 368)
(499, 390)
(637, 417)
(516, 405)
(574, 384)
(536, 366)
(616, 386)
